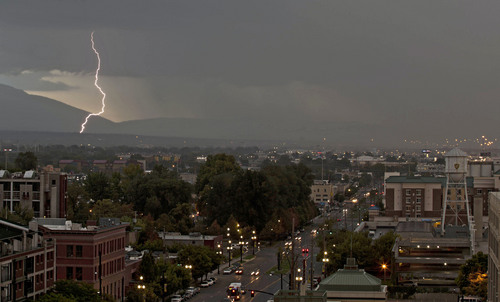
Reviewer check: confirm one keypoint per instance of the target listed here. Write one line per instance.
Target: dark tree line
(254, 198)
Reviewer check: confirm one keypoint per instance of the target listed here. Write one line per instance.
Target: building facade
(493, 247)
(43, 192)
(95, 254)
(322, 192)
(27, 262)
(414, 197)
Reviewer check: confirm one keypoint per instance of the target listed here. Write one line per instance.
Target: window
(69, 251)
(69, 273)
(417, 208)
(78, 273)
(419, 199)
(53, 182)
(419, 192)
(408, 208)
(408, 192)
(408, 200)
(479, 191)
(79, 251)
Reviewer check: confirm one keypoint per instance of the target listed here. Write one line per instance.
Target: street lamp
(229, 248)
(254, 238)
(384, 267)
(241, 248)
(219, 252)
(325, 261)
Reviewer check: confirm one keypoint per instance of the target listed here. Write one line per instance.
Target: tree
(26, 161)
(473, 275)
(76, 194)
(199, 257)
(97, 186)
(70, 290)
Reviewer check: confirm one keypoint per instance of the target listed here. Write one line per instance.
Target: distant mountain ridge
(25, 112)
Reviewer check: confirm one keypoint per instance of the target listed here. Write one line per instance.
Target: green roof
(350, 280)
(416, 179)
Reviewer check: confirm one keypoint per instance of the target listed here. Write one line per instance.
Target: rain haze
(391, 70)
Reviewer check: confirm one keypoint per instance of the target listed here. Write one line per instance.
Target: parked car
(193, 290)
(210, 282)
(227, 271)
(213, 279)
(204, 284)
(176, 298)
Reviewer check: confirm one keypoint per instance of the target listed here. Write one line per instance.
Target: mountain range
(25, 113)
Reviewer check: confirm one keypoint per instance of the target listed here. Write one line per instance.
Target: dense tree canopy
(26, 161)
(253, 198)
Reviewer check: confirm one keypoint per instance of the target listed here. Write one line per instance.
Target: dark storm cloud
(386, 62)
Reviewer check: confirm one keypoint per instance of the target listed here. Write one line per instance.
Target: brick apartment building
(95, 254)
(27, 262)
(44, 192)
(414, 197)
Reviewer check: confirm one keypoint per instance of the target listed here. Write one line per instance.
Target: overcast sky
(374, 62)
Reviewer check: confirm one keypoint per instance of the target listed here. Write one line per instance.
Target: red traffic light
(252, 293)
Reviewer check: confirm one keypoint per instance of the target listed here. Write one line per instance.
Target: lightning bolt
(96, 85)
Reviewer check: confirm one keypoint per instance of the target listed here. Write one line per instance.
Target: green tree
(71, 290)
(201, 258)
(76, 194)
(97, 186)
(26, 161)
(472, 274)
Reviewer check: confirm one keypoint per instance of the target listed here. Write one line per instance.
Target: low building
(192, 239)
(353, 284)
(95, 254)
(27, 262)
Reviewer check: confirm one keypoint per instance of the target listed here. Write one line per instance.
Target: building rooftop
(416, 179)
(350, 278)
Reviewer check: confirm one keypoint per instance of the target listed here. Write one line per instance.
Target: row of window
(111, 267)
(70, 251)
(417, 200)
(78, 273)
(418, 192)
(110, 246)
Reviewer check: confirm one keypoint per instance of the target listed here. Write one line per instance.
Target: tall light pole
(254, 238)
(229, 248)
(241, 249)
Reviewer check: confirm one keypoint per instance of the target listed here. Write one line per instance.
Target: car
(239, 271)
(210, 282)
(213, 279)
(193, 290)
(176, 298)
(204, 284)
(255, 272)
(227, 271)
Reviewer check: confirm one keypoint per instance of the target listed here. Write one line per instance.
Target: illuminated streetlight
(384, 267)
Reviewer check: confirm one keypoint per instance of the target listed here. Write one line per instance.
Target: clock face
(457, 165)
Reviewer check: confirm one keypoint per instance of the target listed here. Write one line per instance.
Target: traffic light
(307, 252)
(303, 252)
(252, 293)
